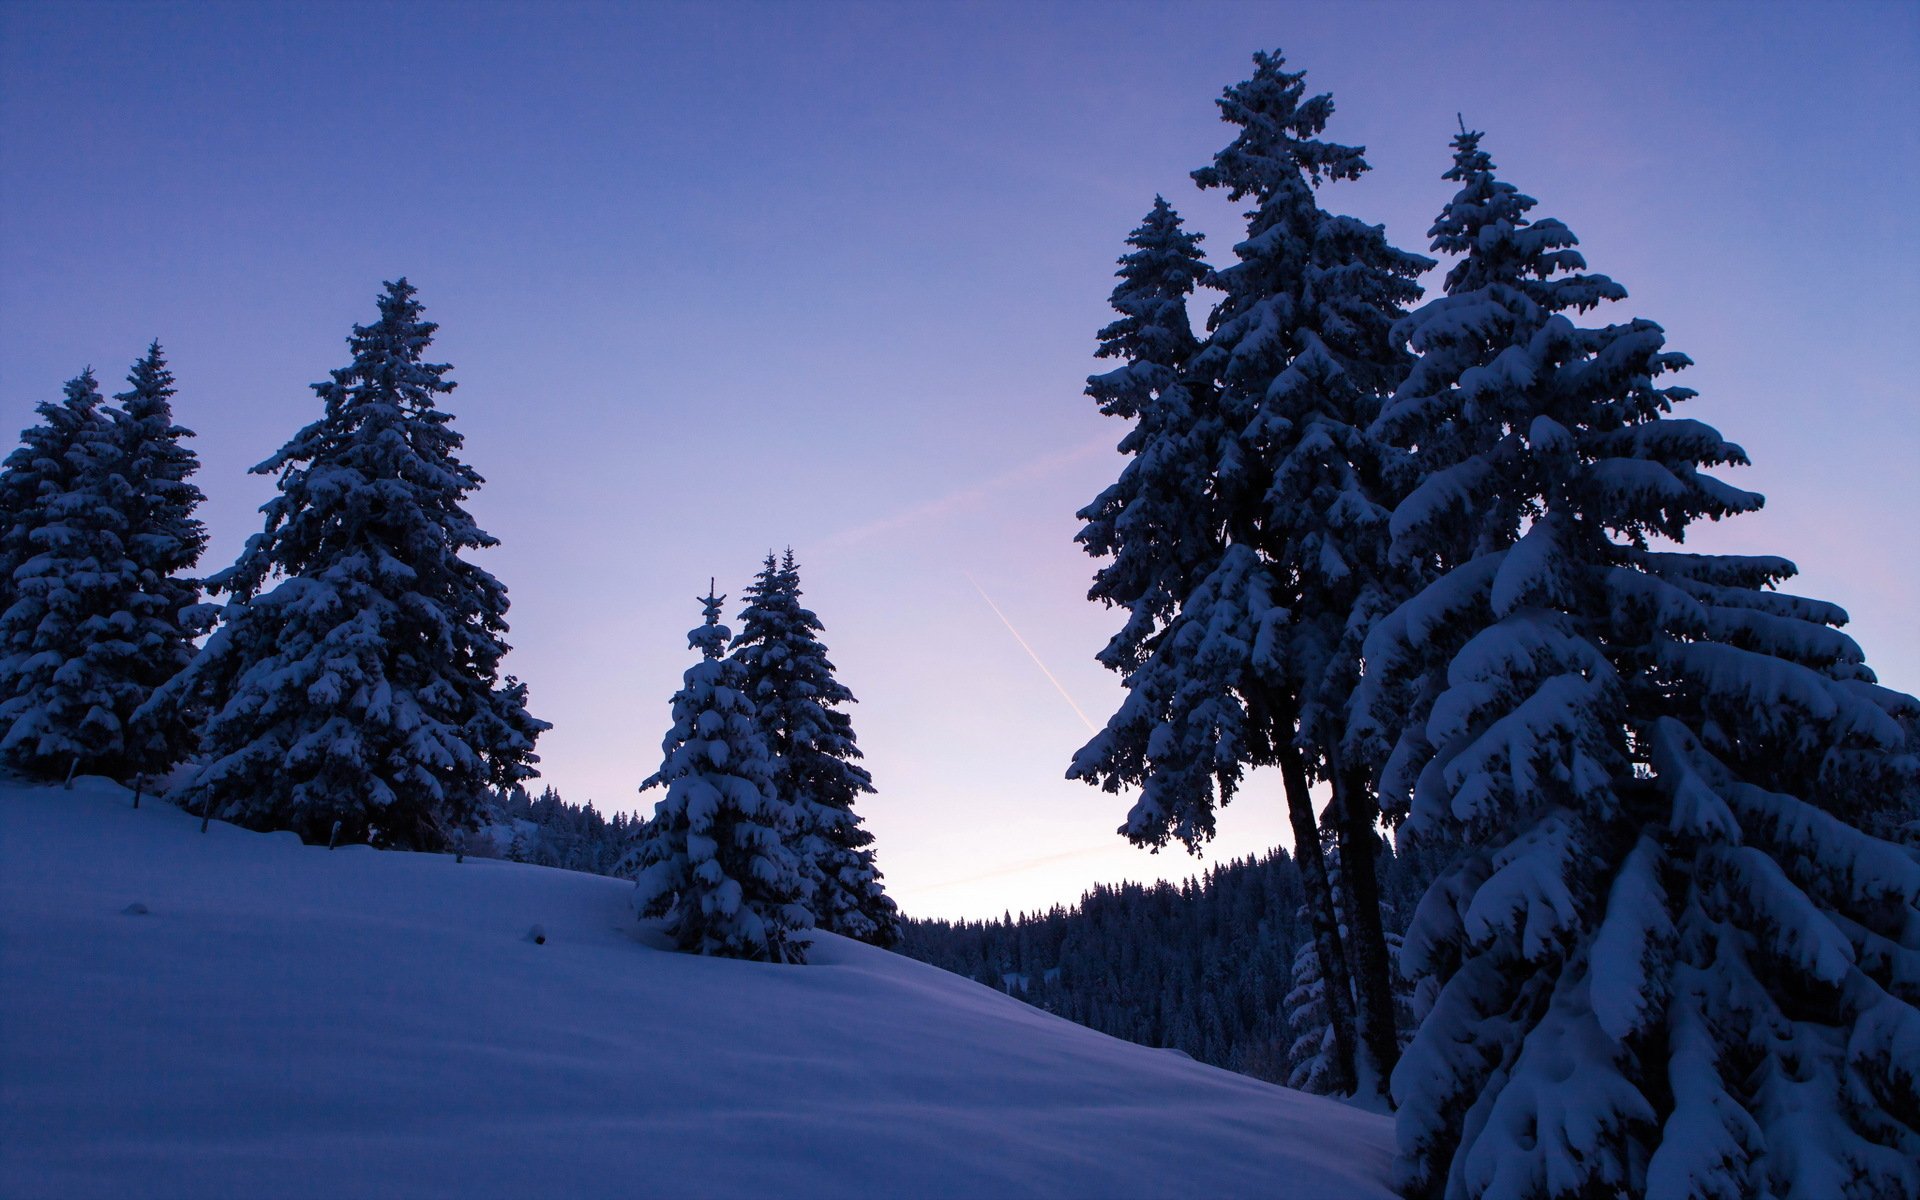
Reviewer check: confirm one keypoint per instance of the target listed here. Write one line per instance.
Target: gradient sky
(720, 278)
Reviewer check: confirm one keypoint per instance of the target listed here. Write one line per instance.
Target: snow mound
(288, 1021)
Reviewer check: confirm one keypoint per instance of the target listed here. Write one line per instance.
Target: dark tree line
(1205, 966)
(549, 831)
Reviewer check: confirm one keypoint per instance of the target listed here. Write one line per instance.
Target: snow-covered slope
(288, 1021)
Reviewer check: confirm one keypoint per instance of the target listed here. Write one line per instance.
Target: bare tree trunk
(1326, 922)
(1356, 812)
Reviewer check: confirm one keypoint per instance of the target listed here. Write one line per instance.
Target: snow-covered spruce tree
(798, 704)
(1673, 963)
(1155, 525)
(1312, 1058)
(1303, 351)
(41, 467)
(163, 540)
(714, 859)
(355, 674)
(65, 639)
(1256, 666)
(1197, 603)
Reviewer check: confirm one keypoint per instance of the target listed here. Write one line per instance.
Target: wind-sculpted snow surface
(286, 1021)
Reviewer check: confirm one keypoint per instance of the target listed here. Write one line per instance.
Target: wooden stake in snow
(70, 770)
(138, 781)
(333, 839)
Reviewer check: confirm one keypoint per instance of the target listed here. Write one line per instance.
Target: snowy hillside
(283, 1020)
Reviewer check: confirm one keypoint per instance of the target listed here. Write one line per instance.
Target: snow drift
(284, 1020)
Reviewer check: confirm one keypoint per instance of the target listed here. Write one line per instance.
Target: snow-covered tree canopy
(65, 635)
(1671, 962)
(714, 859)
(1156, 524)
(1268, 541)
(97, 610)
(1249, 536)
(163, 541)
(356, 673)
(799, 705)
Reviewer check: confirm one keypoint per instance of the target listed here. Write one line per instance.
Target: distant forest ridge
(1211, 966)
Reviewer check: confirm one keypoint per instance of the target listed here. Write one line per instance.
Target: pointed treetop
(1156, 278)
(150, 381)
(399, 308)
(387, 357)
(1308, 282)
(710, 638)
(83, 391)
(1278, 141)
(1486, 222)
(147, 406)
(1161, 230)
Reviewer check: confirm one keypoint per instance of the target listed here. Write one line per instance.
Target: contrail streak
(1026, 472)
(1022, 866)
(1051, 677)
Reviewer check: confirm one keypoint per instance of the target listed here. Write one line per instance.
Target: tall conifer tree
(714, 860)
(800, 708)
(1669, 962)
(163, 541)
(355, 675)
(1303, 351)
(1255, 667)
(1178, 735)
(1155, 525)
(65, 636)
(43, 466)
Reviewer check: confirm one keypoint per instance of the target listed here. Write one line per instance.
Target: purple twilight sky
(720, 278)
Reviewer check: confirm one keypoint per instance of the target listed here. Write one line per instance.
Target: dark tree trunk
(1357, 812)
(1326, 923)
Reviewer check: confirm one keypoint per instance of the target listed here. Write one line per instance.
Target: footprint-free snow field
(286, 1021)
